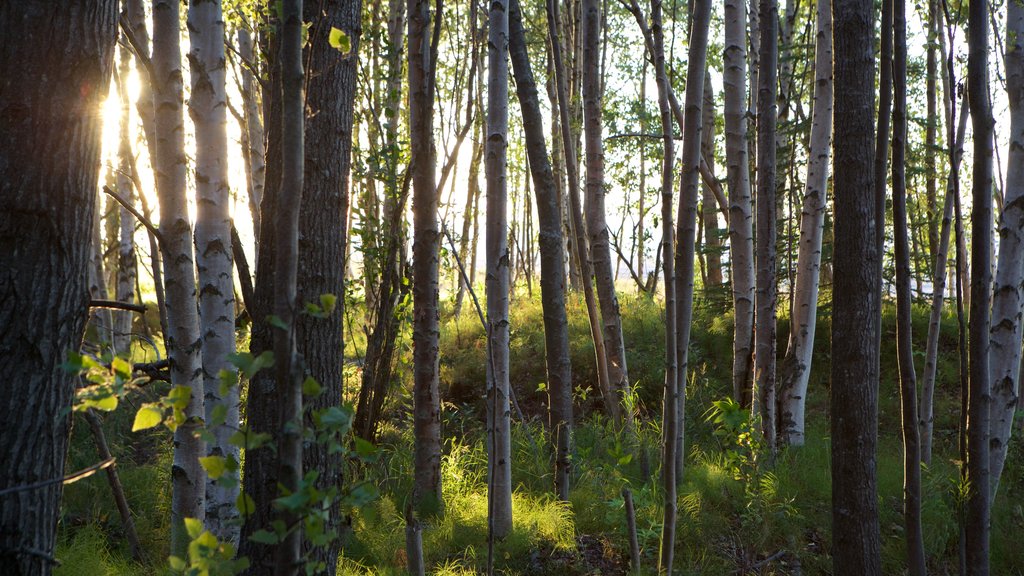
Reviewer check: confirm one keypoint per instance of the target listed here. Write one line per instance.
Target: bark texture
(188, 480)
(49, 167)
(854, 391)
(796, 367)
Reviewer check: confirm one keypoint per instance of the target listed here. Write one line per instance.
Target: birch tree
(51, 158)
(188, 480)
(126, 267)
(796, 367)
(1008, 291)
(741, 234)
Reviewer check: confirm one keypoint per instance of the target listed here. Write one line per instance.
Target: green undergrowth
(737, 513)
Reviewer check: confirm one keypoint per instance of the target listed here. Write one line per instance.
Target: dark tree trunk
(49, 166)
(854, 392)
(552, 273)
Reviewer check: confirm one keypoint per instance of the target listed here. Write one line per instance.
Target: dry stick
(116, 305)
(115, 485)
(69, 479)
(138, 215)
(634, 544)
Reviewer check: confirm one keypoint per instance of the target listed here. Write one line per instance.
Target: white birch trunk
(207, 107)
(126, 270)
(796, 367)
(254, 132)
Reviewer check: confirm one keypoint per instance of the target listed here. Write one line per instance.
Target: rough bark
(49, 166)
(329, 103)
(855, 345)
(596, 222)
(979, 475)
(425, 250)
(287, 365)
(1008, 291)
(495, 170)
(552, 273)
(188, 481)
(741, 234)
(904, 343)
(208, 109)
(796, 367)
(764, 404)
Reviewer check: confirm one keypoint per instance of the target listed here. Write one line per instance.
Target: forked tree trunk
(188, 480)
(552, 273)
(208, 108)
(425, 249)
(855, 344)
(741, 234)
(796, 367)
(904, 342)
(764, 404)
(51, 148)
(1008, 292)
(597, 225)
(979, 420)
(499, 492)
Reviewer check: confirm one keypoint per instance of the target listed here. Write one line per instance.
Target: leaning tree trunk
(796, 368)
(741, 235)
(597, 225)
(552, 273)
(188, 482)
(575, 216)
(904, 342)
(329, 102)
(926, 410)
(855, 345)
(207, 106)
(1008, 292)
(50, 146)
(979, 475)
(425, 259)
(499, 492)
(763, 406)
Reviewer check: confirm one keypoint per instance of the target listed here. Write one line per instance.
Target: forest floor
(737, 514)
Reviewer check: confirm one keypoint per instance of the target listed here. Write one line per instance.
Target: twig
(138, 215)
(69, 479)
(140, 52)
(116, 305)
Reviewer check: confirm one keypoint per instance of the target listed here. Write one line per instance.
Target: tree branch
(116, 305)
(138, 215)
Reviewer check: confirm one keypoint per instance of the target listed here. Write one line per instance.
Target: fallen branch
(117, 305)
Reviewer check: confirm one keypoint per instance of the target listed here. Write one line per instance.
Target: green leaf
(105, 403)
(339, 40)
(179, 396)
(177, 564)
(148, 416)
(245, 504)
(121, 368)
(194, 527)
(276, 321)
(365, 450)
(264, 537)
(310, 387)
(214, 466)
(328, 302)
(218, 415)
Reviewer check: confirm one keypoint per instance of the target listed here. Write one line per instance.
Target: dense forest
(511, 287)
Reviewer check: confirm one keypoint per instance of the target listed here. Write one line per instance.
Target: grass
(723, 526)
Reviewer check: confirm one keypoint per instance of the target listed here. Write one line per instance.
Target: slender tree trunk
(764, 404)
(904, 302)
(741, 235)
(855, 343)
(611, 404)
(931, 135)
(882, 138)
(425, 248)
(495, 147)
(712, 241)
(50, 145)
(472, 207)
(980, 386)
(552, 276)
(188, 481)
(597, 225)
(796, 367)
(208, 108)
(1008, 291)
(126, 268)
(253, 130)
(287, 367)
(927, 408)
